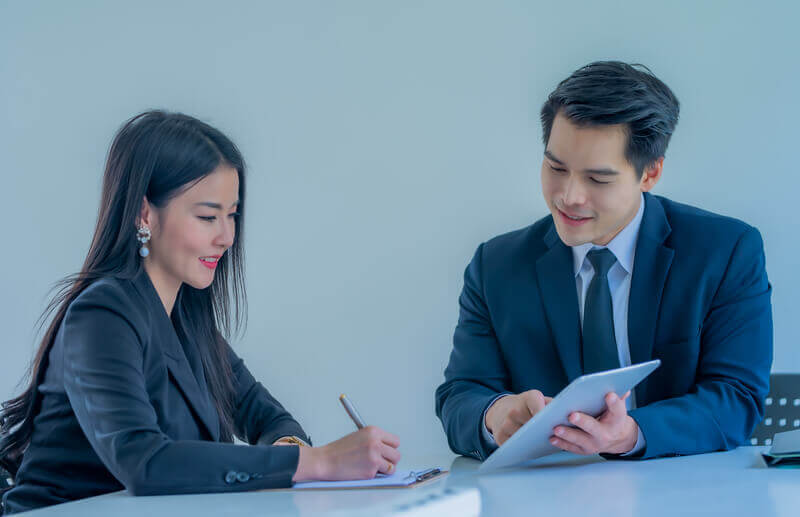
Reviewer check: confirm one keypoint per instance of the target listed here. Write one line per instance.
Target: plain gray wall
(385, 141)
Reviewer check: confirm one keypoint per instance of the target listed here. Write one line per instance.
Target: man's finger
(577, 437)
(500, 438)
(506, 432)
(586, 423)
(508, 429)
(616, 405)
(519, 416)
(567, 446)
(534, 400)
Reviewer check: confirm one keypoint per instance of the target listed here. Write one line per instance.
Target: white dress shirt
(623, 246)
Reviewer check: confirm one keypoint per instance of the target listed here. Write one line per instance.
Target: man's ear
(651, 175)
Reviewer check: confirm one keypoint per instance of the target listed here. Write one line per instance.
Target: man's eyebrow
(552, 157)
(603, 172)
(215, 206)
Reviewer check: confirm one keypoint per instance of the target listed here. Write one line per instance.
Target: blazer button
(231, 477)
(242, 477)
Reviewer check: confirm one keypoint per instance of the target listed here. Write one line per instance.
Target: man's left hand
(613, 432)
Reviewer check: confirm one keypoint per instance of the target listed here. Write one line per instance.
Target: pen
(351, 412)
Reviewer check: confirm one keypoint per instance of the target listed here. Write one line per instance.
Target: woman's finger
(390, 454)
(387, 468)
(390, 439)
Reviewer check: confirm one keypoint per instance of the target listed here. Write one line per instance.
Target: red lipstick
(210, 261)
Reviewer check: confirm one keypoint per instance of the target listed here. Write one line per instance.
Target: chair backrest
(5, 484)
(782, 411)
(5, 480)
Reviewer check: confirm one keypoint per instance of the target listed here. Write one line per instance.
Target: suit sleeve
(727, 400)
(258, 417)
(476, 373)
(105, 384)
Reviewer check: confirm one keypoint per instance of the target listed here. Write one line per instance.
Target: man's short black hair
(613, 92)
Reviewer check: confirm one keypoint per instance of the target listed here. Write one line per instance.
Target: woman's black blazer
(124, 404)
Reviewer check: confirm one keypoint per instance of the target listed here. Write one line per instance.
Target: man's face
(588, 184)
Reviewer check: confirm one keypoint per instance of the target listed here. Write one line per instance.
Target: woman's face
(192, 232)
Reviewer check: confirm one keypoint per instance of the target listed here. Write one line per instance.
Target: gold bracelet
(293, 440)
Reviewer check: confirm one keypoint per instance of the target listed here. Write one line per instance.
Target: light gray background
(385, 141)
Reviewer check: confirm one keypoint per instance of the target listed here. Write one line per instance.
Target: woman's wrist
(310, 464)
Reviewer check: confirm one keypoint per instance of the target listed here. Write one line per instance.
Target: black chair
(5, 484)
(5, 480)
(782, 412)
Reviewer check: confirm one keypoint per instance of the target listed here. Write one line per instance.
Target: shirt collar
(623, 246)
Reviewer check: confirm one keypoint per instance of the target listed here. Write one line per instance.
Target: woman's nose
(227, 234)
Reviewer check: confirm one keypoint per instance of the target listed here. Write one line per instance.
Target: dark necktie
(599, 341)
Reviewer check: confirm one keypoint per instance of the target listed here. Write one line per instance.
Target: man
(614, 276)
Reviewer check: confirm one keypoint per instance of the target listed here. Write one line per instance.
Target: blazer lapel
(556, 278)
(178, 366)
(177, 362)
(650, 269)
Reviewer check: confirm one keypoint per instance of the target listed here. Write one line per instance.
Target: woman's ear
(146, 215)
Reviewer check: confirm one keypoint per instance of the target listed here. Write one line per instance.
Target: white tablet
(585, 394)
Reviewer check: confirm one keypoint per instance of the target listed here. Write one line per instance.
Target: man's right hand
(510, 412)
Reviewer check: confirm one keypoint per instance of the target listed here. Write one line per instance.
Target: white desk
(727, 483)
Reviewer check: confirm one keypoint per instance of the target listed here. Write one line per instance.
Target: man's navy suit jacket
(124, 405)
(699, 301)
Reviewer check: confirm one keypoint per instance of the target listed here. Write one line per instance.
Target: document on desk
(400, 479)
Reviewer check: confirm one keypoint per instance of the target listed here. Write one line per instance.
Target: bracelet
(293, 440)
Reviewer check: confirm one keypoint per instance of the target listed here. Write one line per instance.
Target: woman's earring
(143, 235)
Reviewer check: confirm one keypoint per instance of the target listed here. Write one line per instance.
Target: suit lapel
(178, 366)
(176, 360)
(556, 278)
(651, 267)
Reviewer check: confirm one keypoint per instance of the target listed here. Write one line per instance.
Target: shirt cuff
(640, 443)
(487, 436)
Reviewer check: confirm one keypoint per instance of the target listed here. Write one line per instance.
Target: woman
(133, 385)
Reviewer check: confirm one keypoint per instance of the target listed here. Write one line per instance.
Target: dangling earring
(143, 235)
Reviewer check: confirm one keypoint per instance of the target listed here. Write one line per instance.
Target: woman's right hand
(359, 455)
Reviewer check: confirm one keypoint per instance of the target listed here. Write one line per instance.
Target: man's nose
(574, 193)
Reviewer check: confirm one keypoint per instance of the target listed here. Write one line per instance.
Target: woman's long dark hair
(158, 155)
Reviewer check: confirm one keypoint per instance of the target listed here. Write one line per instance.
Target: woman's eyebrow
(216, 206)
